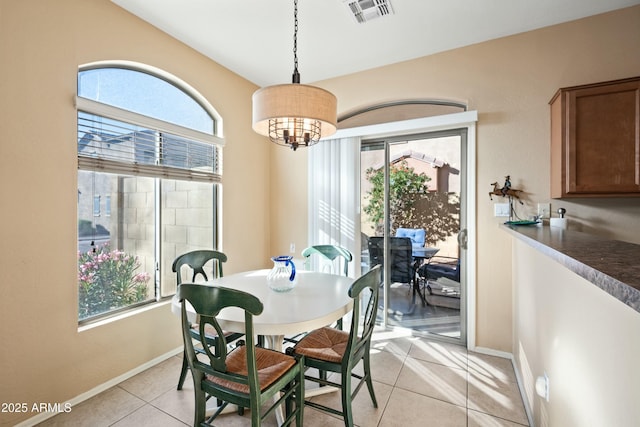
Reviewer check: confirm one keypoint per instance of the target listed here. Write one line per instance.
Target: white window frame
(88, 163)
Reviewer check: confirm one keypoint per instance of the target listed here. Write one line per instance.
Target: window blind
(117, 146)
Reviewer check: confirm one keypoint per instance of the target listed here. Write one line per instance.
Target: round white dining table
(317, 300)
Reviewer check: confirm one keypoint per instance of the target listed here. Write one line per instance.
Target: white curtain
(334, 197)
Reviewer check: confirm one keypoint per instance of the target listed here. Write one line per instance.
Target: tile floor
(418, 382)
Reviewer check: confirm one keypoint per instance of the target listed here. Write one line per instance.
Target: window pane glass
(187, 224)
(96, 205)
(116, 252)
(144, 94)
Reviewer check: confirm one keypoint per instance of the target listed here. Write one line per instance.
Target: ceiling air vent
(366, 10)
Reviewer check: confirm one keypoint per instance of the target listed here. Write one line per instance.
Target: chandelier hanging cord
(296, 75)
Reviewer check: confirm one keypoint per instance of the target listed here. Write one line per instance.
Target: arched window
(149, 150)
(147, 94)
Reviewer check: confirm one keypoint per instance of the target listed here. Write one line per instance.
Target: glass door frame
(468, 120)
(385, 143)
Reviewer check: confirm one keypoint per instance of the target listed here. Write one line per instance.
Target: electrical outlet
(544, 210)
(501, 209)
(542, 386)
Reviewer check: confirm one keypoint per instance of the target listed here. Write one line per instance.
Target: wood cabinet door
(603, 139)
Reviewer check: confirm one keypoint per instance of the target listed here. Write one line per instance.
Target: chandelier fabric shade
(294, 114)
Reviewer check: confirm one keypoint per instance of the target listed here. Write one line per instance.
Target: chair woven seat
(326, 343)
(271, 365)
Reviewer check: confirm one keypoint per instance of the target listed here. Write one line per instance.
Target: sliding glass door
(413, 220)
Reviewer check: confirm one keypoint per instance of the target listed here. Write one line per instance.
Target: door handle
(463, 238)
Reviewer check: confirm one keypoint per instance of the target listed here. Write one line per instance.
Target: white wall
(586, 341)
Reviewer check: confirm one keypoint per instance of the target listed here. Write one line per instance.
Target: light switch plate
(501, 209)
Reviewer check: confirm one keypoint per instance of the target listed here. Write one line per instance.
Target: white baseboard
(492, 352)
(100, 388)
(523, 395)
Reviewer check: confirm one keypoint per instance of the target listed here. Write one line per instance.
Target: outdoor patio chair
(418, 236)
(440, 279)
(441, 266)
(401, 262)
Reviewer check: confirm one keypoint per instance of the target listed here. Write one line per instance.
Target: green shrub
(107, 280)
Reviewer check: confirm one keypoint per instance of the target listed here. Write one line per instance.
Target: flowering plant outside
(107, 280)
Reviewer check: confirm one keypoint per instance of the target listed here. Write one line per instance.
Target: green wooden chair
(248, 375)
(329, 349)
(330, 252)
(196, 261)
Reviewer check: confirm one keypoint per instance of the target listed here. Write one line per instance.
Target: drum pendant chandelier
(294, 115)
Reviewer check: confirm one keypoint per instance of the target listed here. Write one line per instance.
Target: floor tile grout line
(162, 410)
(429, 397)
(495, 416)
(134, 410)
(386, 405)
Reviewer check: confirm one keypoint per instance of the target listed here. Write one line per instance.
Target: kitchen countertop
(612, 265)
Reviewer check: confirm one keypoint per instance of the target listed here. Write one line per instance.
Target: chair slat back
(196, 261)
(330, 252)
(365, 289)
(207, 302)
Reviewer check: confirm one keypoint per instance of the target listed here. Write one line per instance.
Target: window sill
(124, 315)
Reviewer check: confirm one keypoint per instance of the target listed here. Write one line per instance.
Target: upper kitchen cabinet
(595, 140)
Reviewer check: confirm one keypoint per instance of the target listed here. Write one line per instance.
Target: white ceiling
(254, 38)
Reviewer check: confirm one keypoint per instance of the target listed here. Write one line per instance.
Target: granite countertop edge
(611, 265)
